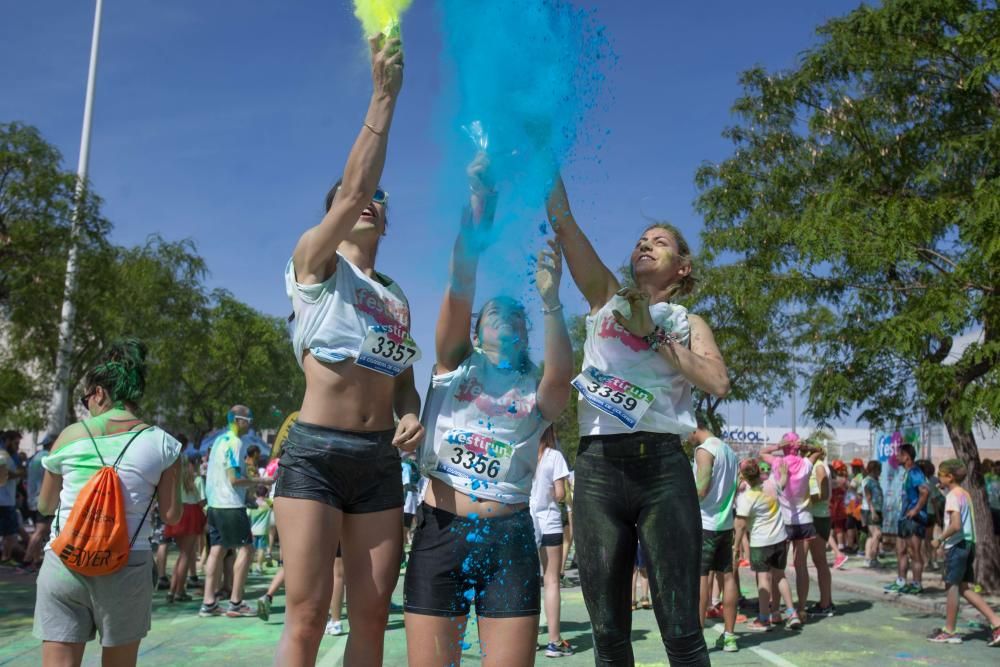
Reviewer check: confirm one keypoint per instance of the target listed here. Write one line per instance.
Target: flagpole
(58, 406)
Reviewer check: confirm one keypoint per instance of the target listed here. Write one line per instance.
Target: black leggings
(628, 487)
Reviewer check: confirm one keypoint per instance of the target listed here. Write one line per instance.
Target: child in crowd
(758, 512)
(871, 511)
(260, 523)
(958, 538)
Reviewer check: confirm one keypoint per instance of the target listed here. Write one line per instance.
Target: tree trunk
(987, 547)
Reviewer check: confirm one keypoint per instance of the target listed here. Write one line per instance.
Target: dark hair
(750, 469)
(874, 468)
(548, 439)
(332, 193)
(261, 491)
(908, 448)
(122, 373)
(702, 421)
(253, 450)
(477, 326)
(927, 467)
(955, 468)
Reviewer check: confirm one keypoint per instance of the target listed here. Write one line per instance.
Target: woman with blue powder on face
(338, 478)
(642, 354)
(486, 411)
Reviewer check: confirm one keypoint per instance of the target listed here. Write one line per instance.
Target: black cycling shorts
(355, 472)
(456, 560)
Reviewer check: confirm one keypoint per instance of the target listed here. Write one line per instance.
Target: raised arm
(768, 453)
(315, 254)
(455, 319)
(554, 388)
(597, 283)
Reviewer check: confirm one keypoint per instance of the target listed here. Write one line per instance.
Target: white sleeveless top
(331, 319)
(483, 428)
(152, 452)
(612, 349)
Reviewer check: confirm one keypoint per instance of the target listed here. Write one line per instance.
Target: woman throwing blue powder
(487, 409)
(642, 354)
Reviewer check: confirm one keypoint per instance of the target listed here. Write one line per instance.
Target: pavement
(870, 628)
(870, 583)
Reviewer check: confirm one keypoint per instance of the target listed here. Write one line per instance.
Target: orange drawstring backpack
(94, 541)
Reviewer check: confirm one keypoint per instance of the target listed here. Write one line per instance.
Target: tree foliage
(752, 338)
(207, 350)
(863, 195)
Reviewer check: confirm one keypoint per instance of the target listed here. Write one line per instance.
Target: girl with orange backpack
(101, 479)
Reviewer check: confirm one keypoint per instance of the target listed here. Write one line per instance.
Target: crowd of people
(473, 478)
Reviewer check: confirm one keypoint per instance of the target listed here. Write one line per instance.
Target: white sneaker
(334, 628)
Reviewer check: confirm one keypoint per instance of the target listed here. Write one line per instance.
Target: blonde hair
(686, 284)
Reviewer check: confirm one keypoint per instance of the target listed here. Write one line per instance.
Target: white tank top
(331, 319)
(611, 349)
(483, 427)
(152, 452)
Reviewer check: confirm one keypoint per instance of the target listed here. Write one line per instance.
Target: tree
(206, 351)
(752, 336)
(865, 190)
(566, 426)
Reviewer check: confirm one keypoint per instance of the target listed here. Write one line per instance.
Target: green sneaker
(263, 607)
(911, 589)
(894, 587)
(727, 643)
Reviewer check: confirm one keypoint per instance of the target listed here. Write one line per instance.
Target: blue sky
(225, 122)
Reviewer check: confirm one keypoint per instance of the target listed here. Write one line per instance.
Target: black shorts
(552, 540)
(8, 520)
(355, 472)
(822, 525)
(853, 524)
(910, 528)
(772, 556)
(958, 563)
(803, 531)
(866, 519)
(456, 560)
(716, 551)
(228, 527)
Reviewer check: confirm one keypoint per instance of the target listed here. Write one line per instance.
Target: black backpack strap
(127, 445)
(143, 519)
(152, 498)
(94, 442)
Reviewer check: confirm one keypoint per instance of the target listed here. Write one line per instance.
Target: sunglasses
(380, 197)
(248, 420)
(86, 397)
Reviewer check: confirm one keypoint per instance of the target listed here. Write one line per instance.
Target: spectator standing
(228, 523)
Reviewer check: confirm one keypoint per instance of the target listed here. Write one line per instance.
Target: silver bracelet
(552, 310)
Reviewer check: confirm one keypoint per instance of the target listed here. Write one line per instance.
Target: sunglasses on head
(248, 420)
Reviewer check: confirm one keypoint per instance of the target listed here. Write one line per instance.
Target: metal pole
(795, 388)
(60, 390)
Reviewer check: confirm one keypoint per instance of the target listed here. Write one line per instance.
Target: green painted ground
(865, 632)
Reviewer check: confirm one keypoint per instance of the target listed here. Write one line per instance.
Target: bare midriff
(444, 497)
(347, 396)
